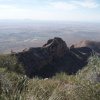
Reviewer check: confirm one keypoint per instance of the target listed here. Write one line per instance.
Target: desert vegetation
(14, 85)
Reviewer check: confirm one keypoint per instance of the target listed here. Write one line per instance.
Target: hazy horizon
(18, 35)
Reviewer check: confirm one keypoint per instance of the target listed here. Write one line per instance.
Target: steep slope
(53, 57)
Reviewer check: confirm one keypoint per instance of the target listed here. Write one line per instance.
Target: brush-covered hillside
(51, 72)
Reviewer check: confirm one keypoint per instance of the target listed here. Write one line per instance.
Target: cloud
(7, 7)
(63, 5)
(51, 10)
(74, 4)
(15, 12)
(86, 3)
(11, 11)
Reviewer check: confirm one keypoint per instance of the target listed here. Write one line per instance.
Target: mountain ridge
(53, 57)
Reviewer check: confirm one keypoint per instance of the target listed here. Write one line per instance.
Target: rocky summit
(53, 57)
(56, 47)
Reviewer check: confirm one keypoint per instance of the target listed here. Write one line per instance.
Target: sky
(60, 10)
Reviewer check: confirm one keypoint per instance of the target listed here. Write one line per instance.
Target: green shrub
(91, 72)
(11, 63)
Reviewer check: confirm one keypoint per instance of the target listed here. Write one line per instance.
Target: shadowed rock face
(56, 47)
(36, 58)
(52, 58)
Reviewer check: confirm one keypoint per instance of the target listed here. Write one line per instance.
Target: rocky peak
(56, 47)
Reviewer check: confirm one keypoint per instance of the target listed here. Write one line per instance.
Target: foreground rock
(52, 58)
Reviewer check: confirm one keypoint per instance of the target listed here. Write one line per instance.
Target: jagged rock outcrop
(56, 47)
(94, 45)
(36, 58)
(53, 57)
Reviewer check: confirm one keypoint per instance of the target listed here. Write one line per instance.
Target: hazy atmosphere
(69, 10)
(17, 35)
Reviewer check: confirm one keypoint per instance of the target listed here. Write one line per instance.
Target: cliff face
(53, 57)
